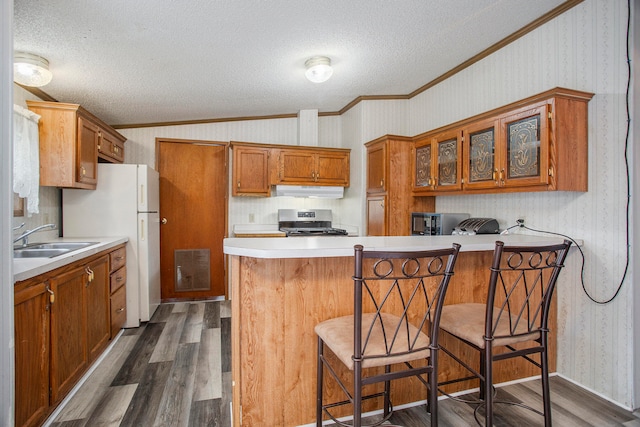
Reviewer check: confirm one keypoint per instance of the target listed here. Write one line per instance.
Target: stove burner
(320, 231)
(307, 222)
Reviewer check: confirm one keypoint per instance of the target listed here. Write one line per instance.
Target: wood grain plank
(178, 391)
(211, 315)
(111, 408)
(193, 324)
(205, 413)
(136, 363)
(208, 383)
(169, 339)
(225, 344)
(90, 393)
(145, 402)
(162, 313)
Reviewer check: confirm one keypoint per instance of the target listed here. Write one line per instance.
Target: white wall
(7, 376)
(583, 49)
(636, 201)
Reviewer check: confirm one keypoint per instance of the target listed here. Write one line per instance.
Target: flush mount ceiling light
(30, 69)
(318, 69)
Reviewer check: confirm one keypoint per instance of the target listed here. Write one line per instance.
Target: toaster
(472, 226)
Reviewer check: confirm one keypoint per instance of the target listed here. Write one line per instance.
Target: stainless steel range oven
(307, 222)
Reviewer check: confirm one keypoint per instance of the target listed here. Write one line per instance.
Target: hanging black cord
(520, 223)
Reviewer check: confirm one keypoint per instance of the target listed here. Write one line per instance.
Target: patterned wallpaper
(583, 49)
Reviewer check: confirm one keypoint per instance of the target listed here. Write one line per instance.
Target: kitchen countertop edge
(26, 268)
(342, 246)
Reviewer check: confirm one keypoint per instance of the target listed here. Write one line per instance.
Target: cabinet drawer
(117, 259)
(110, 148)
(117, 279)
(118, 310)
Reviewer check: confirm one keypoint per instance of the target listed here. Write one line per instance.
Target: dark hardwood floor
(175, 370)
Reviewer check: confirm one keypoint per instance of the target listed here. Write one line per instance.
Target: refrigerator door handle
(142, 229)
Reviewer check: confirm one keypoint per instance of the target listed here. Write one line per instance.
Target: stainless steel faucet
(25, 236)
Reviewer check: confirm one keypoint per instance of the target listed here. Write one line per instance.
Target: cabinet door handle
(52, 295)
(238, 185)
(382, 183)
(90, 274)
(120, 310)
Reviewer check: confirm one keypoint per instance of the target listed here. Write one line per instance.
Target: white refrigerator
(124, 203)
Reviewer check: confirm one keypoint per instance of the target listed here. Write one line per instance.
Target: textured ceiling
(150, 61)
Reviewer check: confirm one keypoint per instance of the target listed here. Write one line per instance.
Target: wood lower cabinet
(536, 144)
(63, 323)
(68, 331)
(376, 215)
(117, 290)
(32, 332)
(97, 302)
(389, 199)
(71, 141)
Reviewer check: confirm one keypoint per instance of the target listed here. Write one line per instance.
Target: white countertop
(26, 268)
(341, 246)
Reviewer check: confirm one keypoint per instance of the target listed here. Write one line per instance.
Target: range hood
(311, 191)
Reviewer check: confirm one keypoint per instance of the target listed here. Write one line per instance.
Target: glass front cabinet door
(480, 155)
(525, 159)
(438, 162)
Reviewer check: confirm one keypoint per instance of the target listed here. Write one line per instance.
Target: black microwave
(435, 224)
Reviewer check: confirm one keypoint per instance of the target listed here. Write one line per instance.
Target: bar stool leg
(319, 383)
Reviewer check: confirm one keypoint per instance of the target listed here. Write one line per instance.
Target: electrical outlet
(520, 221)
(252, 218)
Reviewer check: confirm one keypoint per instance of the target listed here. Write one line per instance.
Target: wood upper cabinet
(250, 171)
(111, 147)
(256, 167)
(313, 167)
(376, 167)
(438, 161)
(32, 329)
(480, 157)
(536, 144)
(389, 200)
(508, 151)
(71, 141)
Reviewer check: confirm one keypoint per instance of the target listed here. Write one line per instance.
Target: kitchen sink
(60, 245)
(38, 253)
(48, 250)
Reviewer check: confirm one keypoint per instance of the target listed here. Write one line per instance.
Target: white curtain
(26, 157)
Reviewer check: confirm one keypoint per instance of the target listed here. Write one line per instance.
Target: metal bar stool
(515, 317)
(392, 333)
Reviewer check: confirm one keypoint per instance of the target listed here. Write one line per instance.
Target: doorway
(193, 212)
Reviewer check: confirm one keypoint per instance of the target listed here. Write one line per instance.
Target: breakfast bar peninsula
(282, 287)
